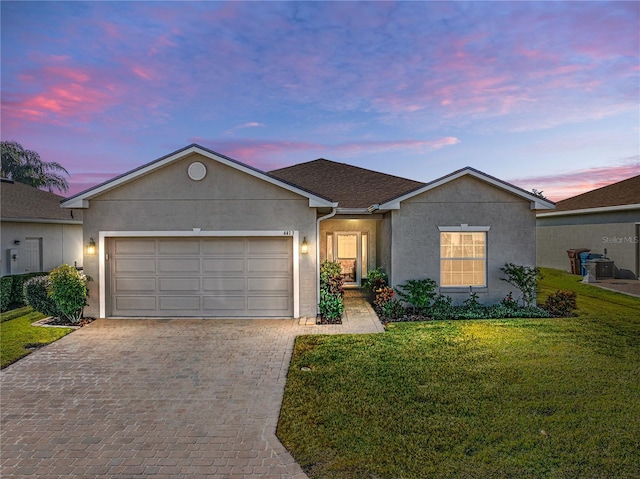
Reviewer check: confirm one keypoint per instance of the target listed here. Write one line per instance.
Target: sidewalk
(358, 317)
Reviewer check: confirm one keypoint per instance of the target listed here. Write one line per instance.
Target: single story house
(198, 234)
(605, 218)
(36, 234)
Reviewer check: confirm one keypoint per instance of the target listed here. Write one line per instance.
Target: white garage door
(194, 277)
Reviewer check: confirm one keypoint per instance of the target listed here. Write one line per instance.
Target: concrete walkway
(167, 399)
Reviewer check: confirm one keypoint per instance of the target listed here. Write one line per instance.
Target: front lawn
(18, 338)
(520, 398)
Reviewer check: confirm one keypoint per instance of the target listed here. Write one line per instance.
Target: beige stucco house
(604, 218)
(35, 233)
(198, 234)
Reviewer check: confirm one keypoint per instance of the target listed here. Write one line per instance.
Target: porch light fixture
(304, 247)
(91, 247)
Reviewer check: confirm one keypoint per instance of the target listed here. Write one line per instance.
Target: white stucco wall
(61, 244)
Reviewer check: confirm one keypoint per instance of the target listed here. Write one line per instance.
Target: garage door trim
(197, 233)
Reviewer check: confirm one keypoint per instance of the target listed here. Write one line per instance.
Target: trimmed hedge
(12, 290)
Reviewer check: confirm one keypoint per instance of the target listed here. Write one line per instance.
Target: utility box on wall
(12, 261)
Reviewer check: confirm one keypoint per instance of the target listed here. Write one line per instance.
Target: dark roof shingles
(21, 201)
(625, 192)
(350, 186)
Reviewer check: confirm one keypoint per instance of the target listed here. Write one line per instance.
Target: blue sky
(542, 94)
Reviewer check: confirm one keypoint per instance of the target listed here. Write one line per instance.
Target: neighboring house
(197, 234)
(608, 217)
(36, 234)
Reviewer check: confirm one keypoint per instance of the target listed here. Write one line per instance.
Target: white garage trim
(196, 232)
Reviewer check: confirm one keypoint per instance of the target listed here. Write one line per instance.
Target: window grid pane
(462, 259)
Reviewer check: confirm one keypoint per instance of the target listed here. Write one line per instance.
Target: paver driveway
(161, 398)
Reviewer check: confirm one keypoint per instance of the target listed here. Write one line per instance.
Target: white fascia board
(352, 211)
(82, 200)
(75, 203)
(536, 202)
(320, 203)
(586, 211)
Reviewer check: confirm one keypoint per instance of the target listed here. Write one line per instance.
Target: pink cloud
(566, 185)
(269, 154)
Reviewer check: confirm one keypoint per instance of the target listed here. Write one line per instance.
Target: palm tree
(26, 166)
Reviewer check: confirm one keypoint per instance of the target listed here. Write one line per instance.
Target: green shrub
(418, 293)
(472, 309)
(68, 290)
(36, 294)
(331, 305)
(524, 278)
(6, 284)
(561, 303)
(12, 290)
(376, 279)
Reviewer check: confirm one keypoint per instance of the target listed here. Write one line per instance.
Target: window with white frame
(463, 257)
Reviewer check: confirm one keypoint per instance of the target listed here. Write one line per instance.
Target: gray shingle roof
(625, 192)
(351, 186)
(23, 202)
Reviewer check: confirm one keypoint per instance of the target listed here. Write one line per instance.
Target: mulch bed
(63, 322)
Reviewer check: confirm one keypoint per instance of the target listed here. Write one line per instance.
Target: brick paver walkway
(156, 398)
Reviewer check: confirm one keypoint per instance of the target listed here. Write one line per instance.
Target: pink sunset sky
(541, 94)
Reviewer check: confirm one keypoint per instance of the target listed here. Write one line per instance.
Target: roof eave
(536, 202)
(586, 211)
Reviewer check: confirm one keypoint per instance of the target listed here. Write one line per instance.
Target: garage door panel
(135, 285)
(135, 246)
(223, 246)
(180, 303)
(271, 265)
(184, 247)
(179, 265)
(135, 265)
(179, 284)
(136, 303)
(261, 285)
(223, 265)
(223, 285)
(203, 277)
(268, 246)
(267, 304)
(224, 304)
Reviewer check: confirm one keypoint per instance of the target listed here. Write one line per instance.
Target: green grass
(17, 335)
(517, 398)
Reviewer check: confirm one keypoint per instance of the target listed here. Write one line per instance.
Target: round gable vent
(197, 171)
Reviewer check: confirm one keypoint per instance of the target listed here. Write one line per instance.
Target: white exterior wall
(61, 244)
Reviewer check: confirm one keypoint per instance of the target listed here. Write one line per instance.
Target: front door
(33, 255)
(348, 255)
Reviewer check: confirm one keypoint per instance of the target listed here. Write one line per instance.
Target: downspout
(322, 218)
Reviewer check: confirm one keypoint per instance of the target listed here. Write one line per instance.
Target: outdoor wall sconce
(304, 247)
(16, 242)
(91, 247)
